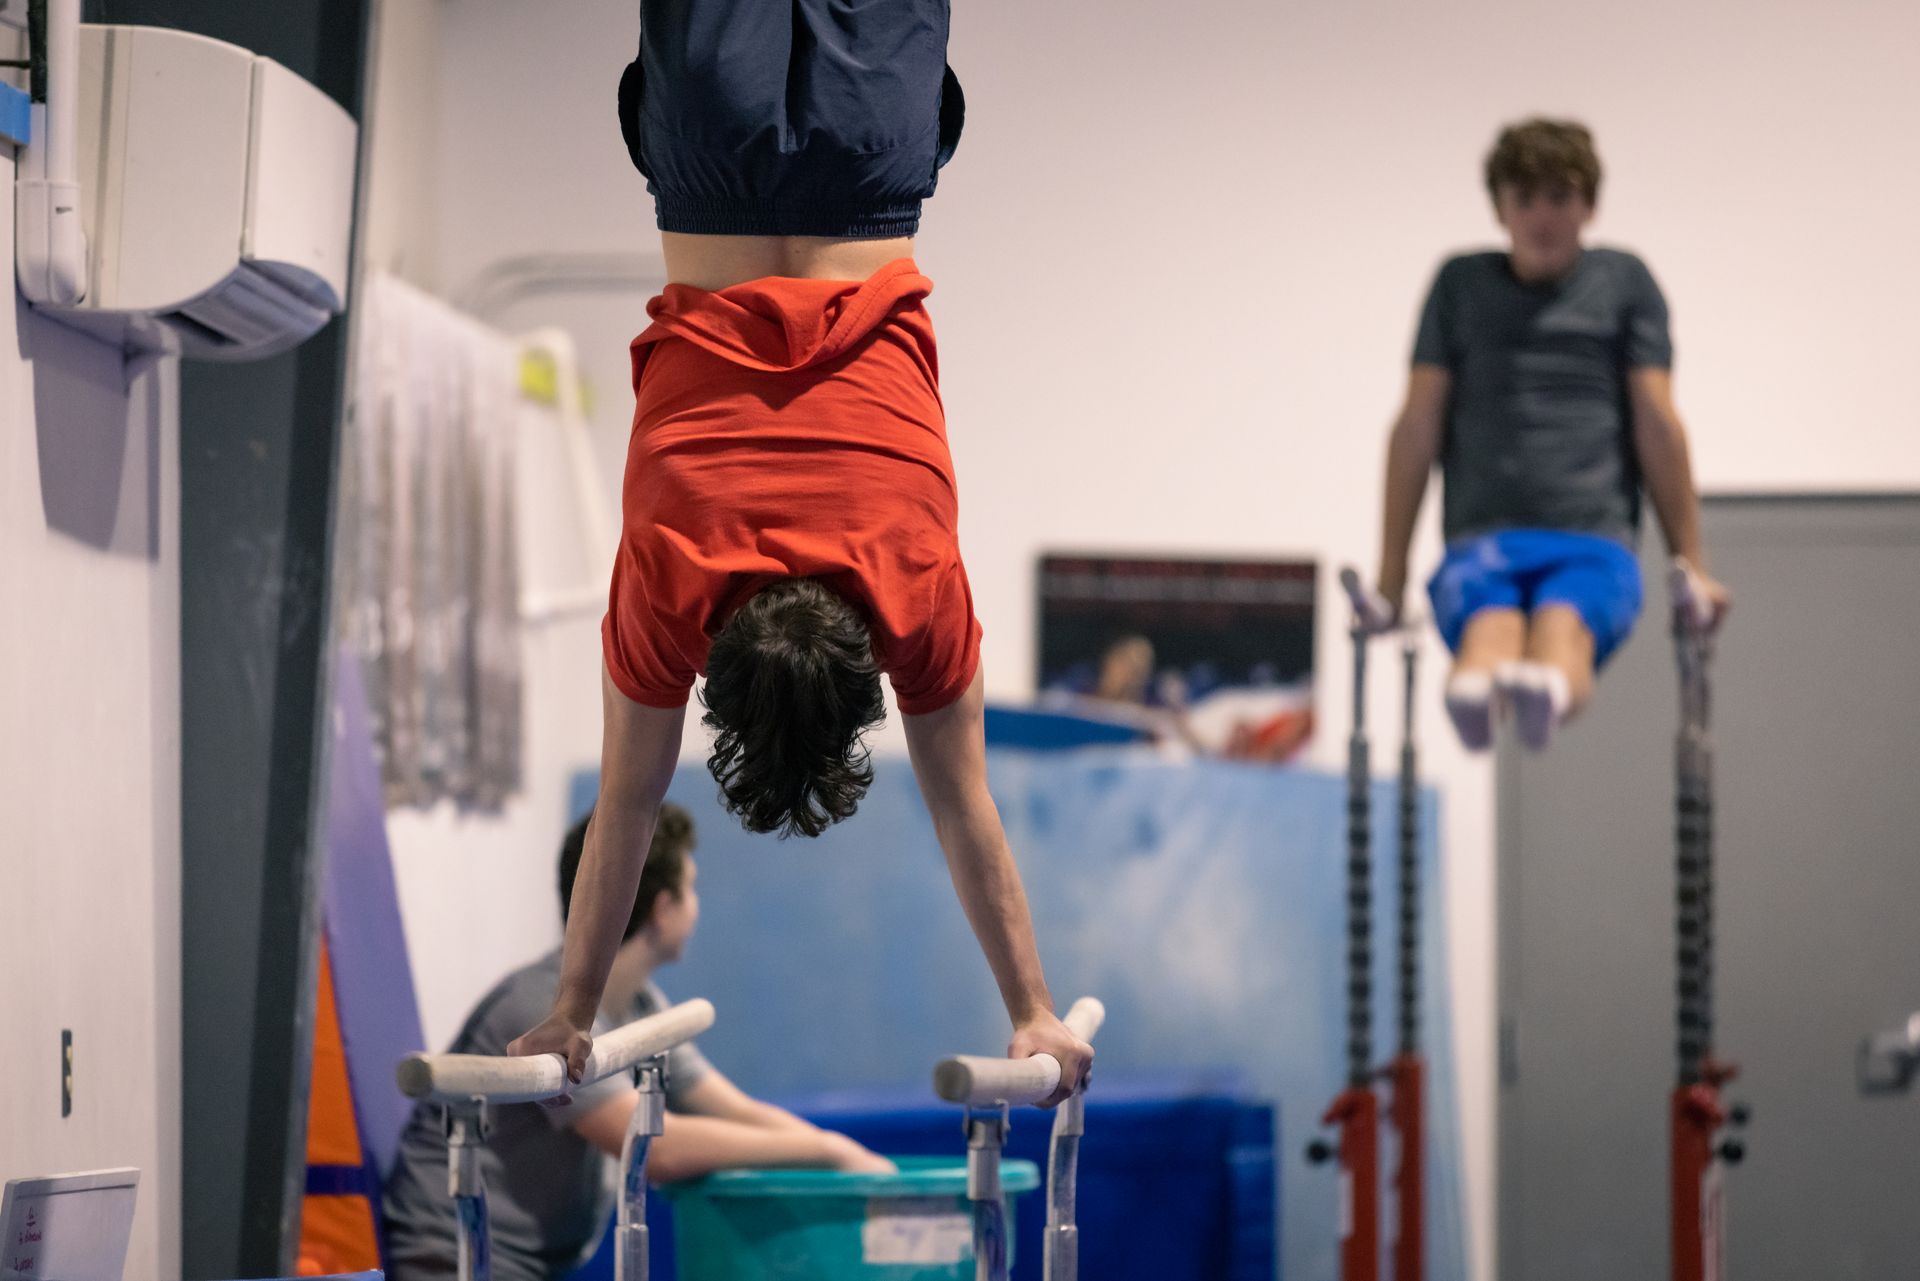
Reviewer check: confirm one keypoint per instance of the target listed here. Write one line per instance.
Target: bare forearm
(692, 1146)
(1412, 447)
(1409, 464)
(766, 1116)
(949, 750)
(1666, 468)
(988, 885)
(603, 894)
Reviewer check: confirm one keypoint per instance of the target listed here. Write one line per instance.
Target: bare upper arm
(639, 747)
(1650, 392)
(949, 751)
(1424, 412)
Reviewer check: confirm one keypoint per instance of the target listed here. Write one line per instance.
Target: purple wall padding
(379, 1022)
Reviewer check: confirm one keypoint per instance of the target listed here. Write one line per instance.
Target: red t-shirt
(790, 428)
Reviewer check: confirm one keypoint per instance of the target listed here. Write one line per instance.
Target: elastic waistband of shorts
(726, 216)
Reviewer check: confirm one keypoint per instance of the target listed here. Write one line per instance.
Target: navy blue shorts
(1524, 569)
(791, 118)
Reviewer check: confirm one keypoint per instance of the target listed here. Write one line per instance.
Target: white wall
(398, 232)
(1178, 258)
(89, 765)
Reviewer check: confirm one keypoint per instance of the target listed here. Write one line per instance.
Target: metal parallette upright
(468, 1125)
(632, 1258)
(1062, 1261)
(986, 1135)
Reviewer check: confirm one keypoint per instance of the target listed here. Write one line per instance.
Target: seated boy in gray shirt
(551, 1171)
(1542, 385)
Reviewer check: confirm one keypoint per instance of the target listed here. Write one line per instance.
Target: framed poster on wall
(1213, 654)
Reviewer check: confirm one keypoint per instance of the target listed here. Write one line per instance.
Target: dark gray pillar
(258, 450)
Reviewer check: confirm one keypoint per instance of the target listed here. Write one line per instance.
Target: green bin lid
(919, 1176)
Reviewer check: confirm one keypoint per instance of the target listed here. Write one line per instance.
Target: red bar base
(1699, 1213)
(1407, 1073)
(1357, 1113)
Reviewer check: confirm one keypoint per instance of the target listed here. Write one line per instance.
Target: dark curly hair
(665, 871)
(792, 685)
(1540, 154)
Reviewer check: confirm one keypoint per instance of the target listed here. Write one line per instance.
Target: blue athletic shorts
(1525, 569)
(796, 118)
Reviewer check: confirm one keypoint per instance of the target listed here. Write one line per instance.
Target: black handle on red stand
(1356, 1111)
(1407, 1073)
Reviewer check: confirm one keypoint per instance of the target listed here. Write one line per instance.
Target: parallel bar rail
(462, 1078)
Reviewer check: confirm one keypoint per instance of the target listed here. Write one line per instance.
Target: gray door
(1817, 741)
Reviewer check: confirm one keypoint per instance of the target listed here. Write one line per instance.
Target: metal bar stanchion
(986, 1135)
(631, 1258)
(467, 1128)
(1062, 1262)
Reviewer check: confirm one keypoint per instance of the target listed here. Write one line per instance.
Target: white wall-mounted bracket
(14, 103)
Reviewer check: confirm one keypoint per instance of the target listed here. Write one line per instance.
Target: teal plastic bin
(818, 1225)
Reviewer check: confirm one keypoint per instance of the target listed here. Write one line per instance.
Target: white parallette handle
(979, 1081)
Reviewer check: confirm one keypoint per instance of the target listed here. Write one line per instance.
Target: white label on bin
(915, 1230)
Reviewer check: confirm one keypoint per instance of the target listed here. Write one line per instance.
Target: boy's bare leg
(1554, 681)
(1558, 637)
(1493, 638)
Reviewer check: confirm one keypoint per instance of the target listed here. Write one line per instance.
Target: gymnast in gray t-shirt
(1542, 386)
(551, 1171)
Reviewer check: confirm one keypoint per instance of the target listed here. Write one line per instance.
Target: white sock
(1470, 706)
(1539, 695)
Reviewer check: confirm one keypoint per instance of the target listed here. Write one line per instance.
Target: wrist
(576, 1008)
(1692, 553)
(1031, 1008)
